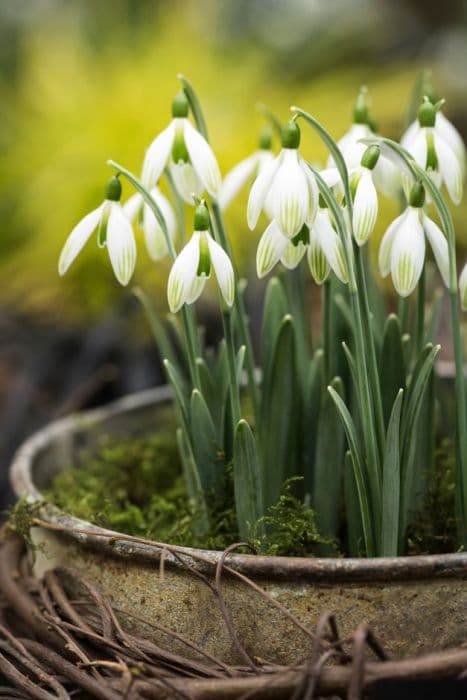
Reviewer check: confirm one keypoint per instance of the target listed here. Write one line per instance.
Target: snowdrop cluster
(284, 189)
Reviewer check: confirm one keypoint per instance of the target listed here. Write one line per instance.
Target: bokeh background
(82, 81)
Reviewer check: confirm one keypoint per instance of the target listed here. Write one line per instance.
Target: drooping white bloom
(463, 287)
(192, 267)
(438, 148)
(320, 243)
(191, 160)
(154, 237)
(353, 145)
(114, 232)
(402, 251)
(249, 168)
(286, 188)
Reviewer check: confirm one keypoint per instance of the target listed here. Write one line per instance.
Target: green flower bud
(370, 157)
(361, 114)
(427, 113)
(180, 105)
(290, 135)
(265, 139)
(113, 190)
(417, 195)
(201, 222)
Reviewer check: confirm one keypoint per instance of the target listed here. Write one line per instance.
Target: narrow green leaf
(247, 482)
(357, 461)
(355, 536)
(352, 366)
(193, 483)
(278, 415)
(309, 414)
(326, 495)
(392, 365)
(195, 106)
(209, 459)
(274, 310)
(240, 362)
(434, 316)
(179, 389)
(409, 430)
(391, 483)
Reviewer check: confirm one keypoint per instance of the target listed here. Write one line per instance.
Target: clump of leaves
(289, 527)
(433, 530)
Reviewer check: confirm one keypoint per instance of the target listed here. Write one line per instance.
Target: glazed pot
(414, 604)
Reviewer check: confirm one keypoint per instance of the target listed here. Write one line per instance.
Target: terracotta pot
(414, 604)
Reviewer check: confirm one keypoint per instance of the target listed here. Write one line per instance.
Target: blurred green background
(83, 81)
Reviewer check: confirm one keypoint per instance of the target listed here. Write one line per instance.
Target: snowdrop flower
(402, 251)
(192, 267)
(321, 243)
(113, 230)
(251, 167)
(353, 146)
(463, 288)
(154, 237)
(365, 199)
(190, 158)
(285, 187)
(437, 148)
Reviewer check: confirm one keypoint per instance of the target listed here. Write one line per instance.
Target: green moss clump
(290, 527)
(433, 530)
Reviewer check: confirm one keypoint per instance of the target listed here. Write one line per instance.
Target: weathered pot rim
(114, 543)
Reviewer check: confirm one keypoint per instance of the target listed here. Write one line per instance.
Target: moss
(433, 529)
(20, 519)
(290, 527)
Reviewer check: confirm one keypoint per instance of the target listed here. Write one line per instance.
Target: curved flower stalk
(192, 267)
(438, 148)
(154, 236)
(114, 232)
(191, 160)
(248, 168)
(402, 251)
(320, 243)
(286, 188)
(463, 288)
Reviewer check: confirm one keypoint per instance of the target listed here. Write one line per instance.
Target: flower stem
(421, 311)
(231, 361)
(241, 315)
(326, 301)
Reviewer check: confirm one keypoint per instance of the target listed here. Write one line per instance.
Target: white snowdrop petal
(463, 288)
(78, 239)
(331, 176)
(418, 148)
(236, 178)
(196, 289)
(121, 244)
(317, 261)
(183, 274)
(384, 255)
(290, 194)
(157, 156)
(132, 206)
(154, 237)
(449, 133)
(270, 249)
(313, 193)
(365, 208)
(350, 147)
(439, 246)
(186, 181)
(387, 177)
(293, 255)
(260, 190)
(331, 246)
(450, 168)
(202, 158)
(410, 134)
(223, 270)
(408, 254)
